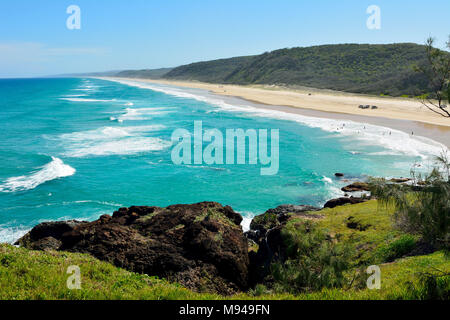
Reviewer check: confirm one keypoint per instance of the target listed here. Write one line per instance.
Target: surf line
(235, 153)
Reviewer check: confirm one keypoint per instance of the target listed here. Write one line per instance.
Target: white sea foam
(122, 147)
(333, 189)
(143, 113)
(75, 95)
(103, 203)
(108, 133)
(400, 143)
(112, 141)
(174, 92)
(11, 234)
(86, 100)
(51, 171)
(327, 180)
(115, 119)
(245, 224)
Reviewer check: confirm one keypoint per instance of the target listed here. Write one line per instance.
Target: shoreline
(420, 129)
(431, 126)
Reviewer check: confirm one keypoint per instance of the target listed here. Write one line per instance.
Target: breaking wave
(53, 170)
(112, 141)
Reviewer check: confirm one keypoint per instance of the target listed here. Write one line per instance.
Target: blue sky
(134, 34)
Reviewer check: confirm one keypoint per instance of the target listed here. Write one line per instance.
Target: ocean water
(80, 148)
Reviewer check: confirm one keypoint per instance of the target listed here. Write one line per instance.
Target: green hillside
(215, 71)
(144, 74)
(361, 68)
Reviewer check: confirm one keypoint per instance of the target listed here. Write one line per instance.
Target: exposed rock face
(343, 201)
(272, 218)
(400, 180)
(266, 232)
(357, 186)
(201, 246)
(47, 235)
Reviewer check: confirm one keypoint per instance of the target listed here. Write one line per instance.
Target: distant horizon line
(81, 74)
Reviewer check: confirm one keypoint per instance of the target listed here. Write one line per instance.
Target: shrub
(259, 290)
(314, 261)
(398, 248)
(422, 209)
(431, 286)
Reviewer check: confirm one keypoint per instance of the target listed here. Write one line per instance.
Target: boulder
(356, 186)
(339, 175)
(275, 217)
(47, 232)
(200, 246)
(343, 201)
(46, 244)
(400, 180)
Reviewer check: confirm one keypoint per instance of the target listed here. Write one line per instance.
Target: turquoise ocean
(79, 148)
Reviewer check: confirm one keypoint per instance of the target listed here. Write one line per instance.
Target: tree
(314, 261)
(437, 72)
(424, 207)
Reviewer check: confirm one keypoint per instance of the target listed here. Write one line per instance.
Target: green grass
(26, 274)
(375, 219)
(397, 280)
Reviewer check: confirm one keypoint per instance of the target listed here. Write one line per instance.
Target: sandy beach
(404, 114)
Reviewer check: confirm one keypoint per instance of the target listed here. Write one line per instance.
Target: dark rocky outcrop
(266, 233)
(47, 235)
(272, 218)
(201, 246)
(345, 200)
(400, 180)
(356, 187)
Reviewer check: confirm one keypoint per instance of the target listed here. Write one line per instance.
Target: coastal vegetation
(423, 208)
(407, 270)
(314, 260)
(437, 71)
(367, 235)
(386, 69)
(144, 74)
